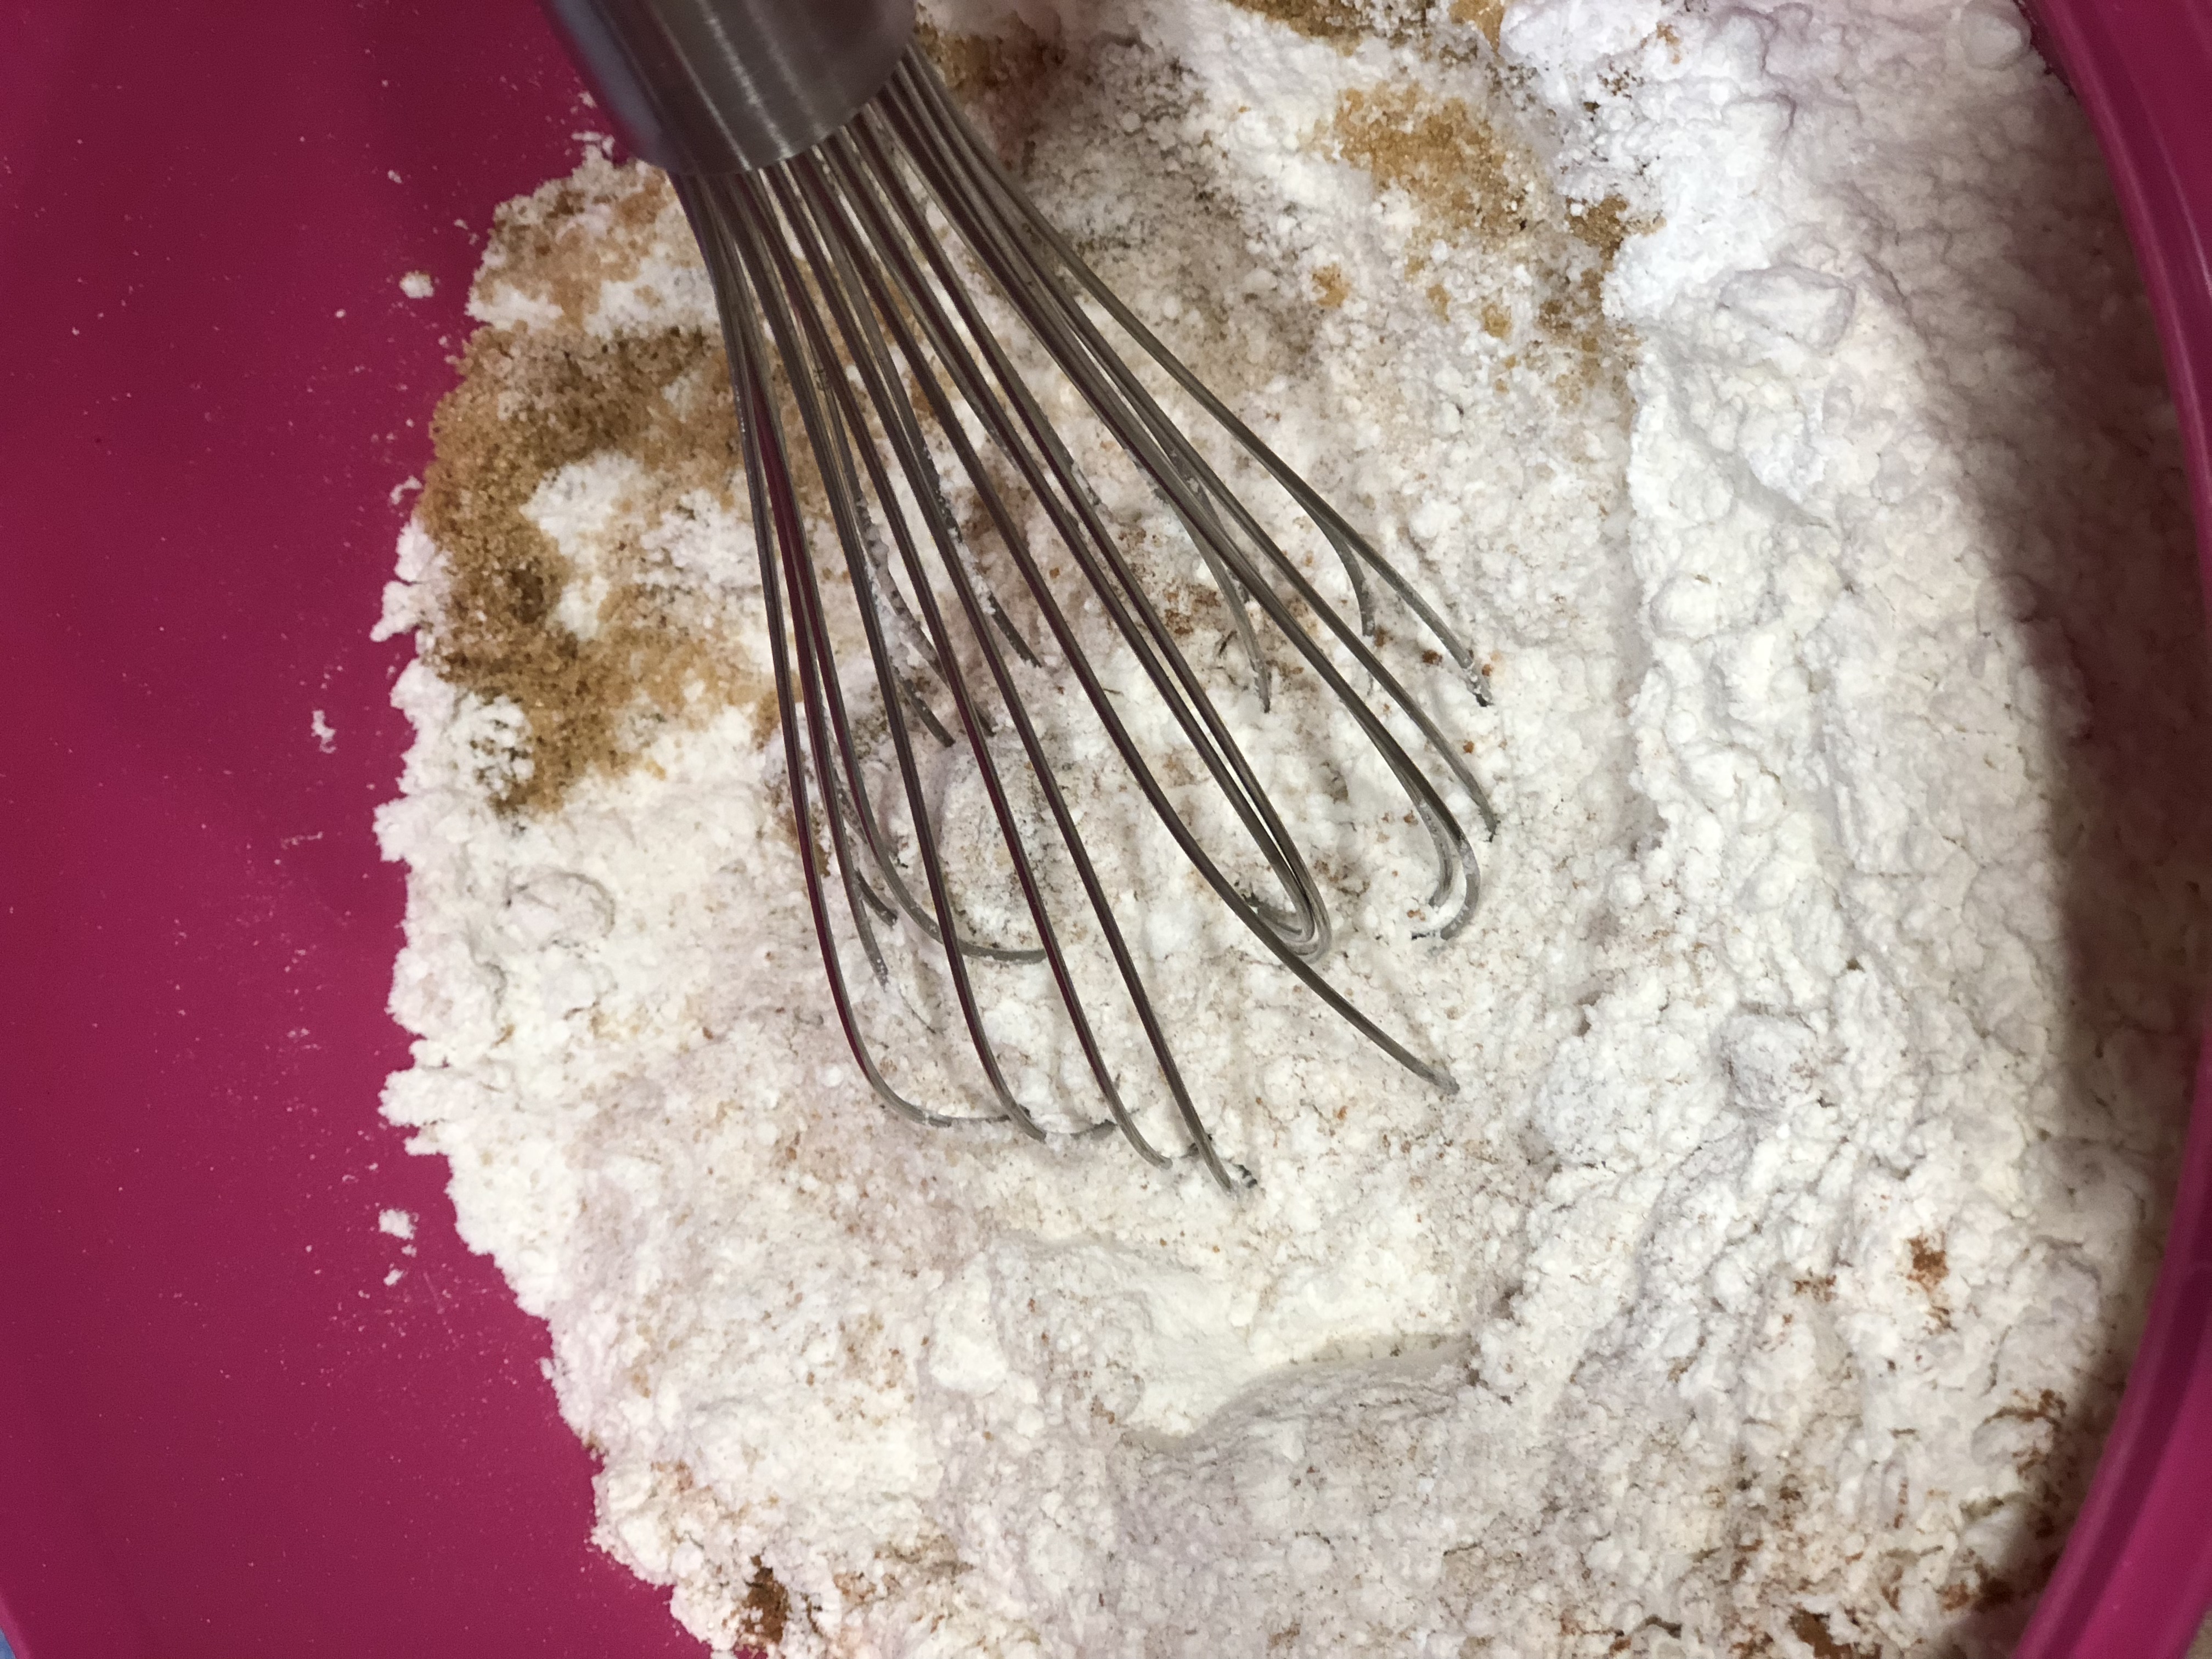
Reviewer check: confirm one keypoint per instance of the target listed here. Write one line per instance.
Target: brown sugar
(534, 239)
(767, 1608)
(1339, 21)
(1812, 1629)
(1931, 1265)
(1485, 16)
(1475, 182)
(1466, 178)
(1004, 81)
(1439, 31)
(1604, 224)
(526, 406)
(1343, 23)
(531, 401)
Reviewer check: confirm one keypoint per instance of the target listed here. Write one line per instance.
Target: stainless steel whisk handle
(728, 86)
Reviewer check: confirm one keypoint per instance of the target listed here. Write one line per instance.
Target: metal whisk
(881, 275)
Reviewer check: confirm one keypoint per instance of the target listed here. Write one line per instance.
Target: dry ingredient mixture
(1767, 391)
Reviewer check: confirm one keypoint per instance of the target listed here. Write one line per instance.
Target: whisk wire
(812, 370)
(919, 82)
(1112, 581)
(777, 533)
(835, 279)
(1053, 479)
(898, 422)
(1121, 401)
(876, 579)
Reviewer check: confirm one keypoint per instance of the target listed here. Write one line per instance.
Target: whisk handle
(727, 85)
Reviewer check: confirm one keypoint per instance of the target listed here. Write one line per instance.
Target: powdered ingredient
(1768, 392)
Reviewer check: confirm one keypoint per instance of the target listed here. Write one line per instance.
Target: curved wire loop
(864, 287)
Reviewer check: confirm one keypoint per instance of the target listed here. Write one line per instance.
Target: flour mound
(1767, 392)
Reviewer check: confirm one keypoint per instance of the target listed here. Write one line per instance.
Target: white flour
(1822, 1036)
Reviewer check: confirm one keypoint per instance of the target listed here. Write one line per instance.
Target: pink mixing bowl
(222, 1433)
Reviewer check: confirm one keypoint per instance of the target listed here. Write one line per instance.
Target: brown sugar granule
(1441, 152)
(1812, 1629)
(767, 1608)
(532, 400)
(1444, 33)
(1003, 81)
(1929, 1263)
(538, 251)
(528, 405)
(1342, 22)
(1604, 224)
(1319, 20)
(1485, 16)
(1335, 289)
(1475, 181)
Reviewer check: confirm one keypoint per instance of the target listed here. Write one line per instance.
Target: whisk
(880, 276)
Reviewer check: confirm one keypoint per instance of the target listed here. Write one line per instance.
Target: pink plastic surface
(220, 1432)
